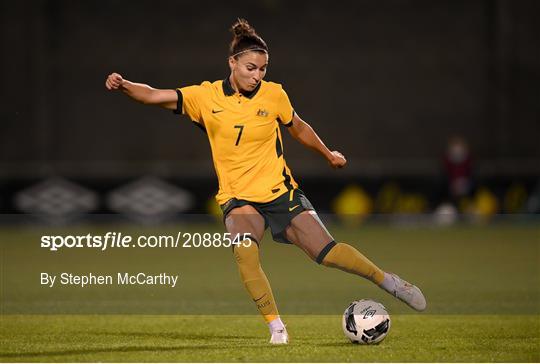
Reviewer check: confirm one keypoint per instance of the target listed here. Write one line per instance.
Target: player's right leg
(242, 220)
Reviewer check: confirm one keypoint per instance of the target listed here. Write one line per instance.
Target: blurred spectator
(458, 169)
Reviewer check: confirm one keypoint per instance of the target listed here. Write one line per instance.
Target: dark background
(386, 83)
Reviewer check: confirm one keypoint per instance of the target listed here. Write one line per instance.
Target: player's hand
(337, 160)
(114, 81)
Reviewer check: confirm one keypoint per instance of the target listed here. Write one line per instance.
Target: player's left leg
(308, 232)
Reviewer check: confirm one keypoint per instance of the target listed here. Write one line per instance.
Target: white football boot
(408, 293)
(279, 336)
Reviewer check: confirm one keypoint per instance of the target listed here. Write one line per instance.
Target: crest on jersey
(262, 112)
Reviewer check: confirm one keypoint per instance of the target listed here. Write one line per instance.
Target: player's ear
(232, 63)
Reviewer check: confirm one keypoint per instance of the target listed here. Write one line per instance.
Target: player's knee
(324, 252)
(246, 253)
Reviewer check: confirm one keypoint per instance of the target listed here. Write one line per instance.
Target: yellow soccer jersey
(244, 135)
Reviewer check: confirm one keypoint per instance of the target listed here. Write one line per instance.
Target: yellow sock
(348, 259)
(255, 281)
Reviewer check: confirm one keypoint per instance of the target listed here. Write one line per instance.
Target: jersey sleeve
(285, 111)
(190, 101)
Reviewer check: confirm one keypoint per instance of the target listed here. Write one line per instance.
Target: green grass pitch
(482, 285)
(133, 338)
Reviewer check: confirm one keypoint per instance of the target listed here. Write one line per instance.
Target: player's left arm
(304, 133)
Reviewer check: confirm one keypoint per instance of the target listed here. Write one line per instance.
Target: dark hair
(245, 39)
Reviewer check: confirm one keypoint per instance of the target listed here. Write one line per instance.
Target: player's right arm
(143, 93)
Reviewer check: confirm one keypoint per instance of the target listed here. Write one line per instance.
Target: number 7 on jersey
(241, 127)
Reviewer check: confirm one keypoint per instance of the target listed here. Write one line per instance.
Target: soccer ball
(366, 322)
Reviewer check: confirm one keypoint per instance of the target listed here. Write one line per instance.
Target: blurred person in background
(458, 170)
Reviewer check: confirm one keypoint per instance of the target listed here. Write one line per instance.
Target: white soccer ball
(366, 322)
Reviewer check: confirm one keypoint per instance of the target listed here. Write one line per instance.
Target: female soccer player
(242, 116)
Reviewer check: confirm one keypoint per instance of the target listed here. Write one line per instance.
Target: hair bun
(245, 38)
(241, 28)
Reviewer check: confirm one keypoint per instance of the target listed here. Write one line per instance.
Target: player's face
(249, 69)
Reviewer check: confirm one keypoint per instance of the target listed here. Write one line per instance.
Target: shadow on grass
(142, 348)
(171, 335)
(337, 344)
(124, 349)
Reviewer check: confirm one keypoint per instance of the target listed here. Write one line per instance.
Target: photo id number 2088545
(216, 240)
